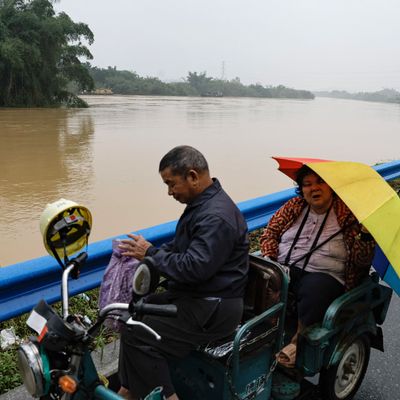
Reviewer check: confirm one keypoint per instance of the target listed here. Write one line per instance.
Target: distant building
(212, 94)
(102, 91)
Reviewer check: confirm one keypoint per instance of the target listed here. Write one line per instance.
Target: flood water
(106, 157)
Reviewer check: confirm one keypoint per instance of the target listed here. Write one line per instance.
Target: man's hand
(136, 247)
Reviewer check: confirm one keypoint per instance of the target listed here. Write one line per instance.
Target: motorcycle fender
(340, 348)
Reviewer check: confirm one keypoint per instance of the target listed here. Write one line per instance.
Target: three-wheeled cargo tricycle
(57, 363)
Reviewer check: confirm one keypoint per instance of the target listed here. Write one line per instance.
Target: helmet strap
(56, 256)
(66, 260)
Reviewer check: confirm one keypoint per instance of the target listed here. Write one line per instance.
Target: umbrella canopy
(290, 165)
(374, 203)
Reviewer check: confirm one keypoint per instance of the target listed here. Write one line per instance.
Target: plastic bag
(8, 338)
(116, 286)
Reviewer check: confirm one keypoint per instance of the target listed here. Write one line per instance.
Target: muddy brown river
(106, 157)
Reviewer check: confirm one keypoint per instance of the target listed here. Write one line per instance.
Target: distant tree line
(44, 62)
(195, 84)
(40, 55)
(384, 95)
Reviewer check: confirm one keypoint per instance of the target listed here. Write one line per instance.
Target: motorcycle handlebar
(162, 310)
(165, 310)
(81, 258)
(113, 307)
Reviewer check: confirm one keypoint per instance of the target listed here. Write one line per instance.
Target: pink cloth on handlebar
(116, 286)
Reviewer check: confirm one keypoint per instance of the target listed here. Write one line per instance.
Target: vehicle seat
(262, 291)
(264, 286)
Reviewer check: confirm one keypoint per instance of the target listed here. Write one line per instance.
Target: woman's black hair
(300, 175)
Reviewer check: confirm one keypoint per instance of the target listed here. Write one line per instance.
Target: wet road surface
(382, 380)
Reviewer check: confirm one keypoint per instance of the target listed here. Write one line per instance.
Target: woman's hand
(364, 234)
(136, 247)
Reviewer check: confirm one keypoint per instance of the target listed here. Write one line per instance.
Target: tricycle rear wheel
(341, 381)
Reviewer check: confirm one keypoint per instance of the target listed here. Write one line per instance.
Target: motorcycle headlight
(31, 368)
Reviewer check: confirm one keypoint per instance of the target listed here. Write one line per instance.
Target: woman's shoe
(287, 356)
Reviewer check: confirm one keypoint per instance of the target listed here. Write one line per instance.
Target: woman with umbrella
(324, 246)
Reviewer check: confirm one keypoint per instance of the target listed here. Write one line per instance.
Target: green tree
(200, 82)
(40, 53)
(195, 84)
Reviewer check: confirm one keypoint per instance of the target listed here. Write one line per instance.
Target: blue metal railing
(22, 285)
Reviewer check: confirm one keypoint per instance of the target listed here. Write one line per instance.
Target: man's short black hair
(182, 159)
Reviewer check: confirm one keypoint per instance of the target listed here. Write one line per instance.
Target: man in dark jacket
(206, 265)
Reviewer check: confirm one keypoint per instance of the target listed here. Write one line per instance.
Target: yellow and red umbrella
(374, 203)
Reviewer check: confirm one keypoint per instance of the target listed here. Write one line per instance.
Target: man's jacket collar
(211, 191)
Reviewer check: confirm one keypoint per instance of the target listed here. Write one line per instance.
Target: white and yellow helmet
(65, 227)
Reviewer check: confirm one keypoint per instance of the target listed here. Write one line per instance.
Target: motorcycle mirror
(146, 278)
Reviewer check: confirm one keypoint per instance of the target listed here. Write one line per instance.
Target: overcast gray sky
(306, 44)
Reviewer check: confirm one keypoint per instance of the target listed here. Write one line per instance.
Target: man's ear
(193, 176)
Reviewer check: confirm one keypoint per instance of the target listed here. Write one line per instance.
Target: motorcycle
(57, 363)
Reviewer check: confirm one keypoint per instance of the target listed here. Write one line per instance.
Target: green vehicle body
(249, 370)
(243, 367)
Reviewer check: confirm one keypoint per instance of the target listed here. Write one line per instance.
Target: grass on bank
(87, 305)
